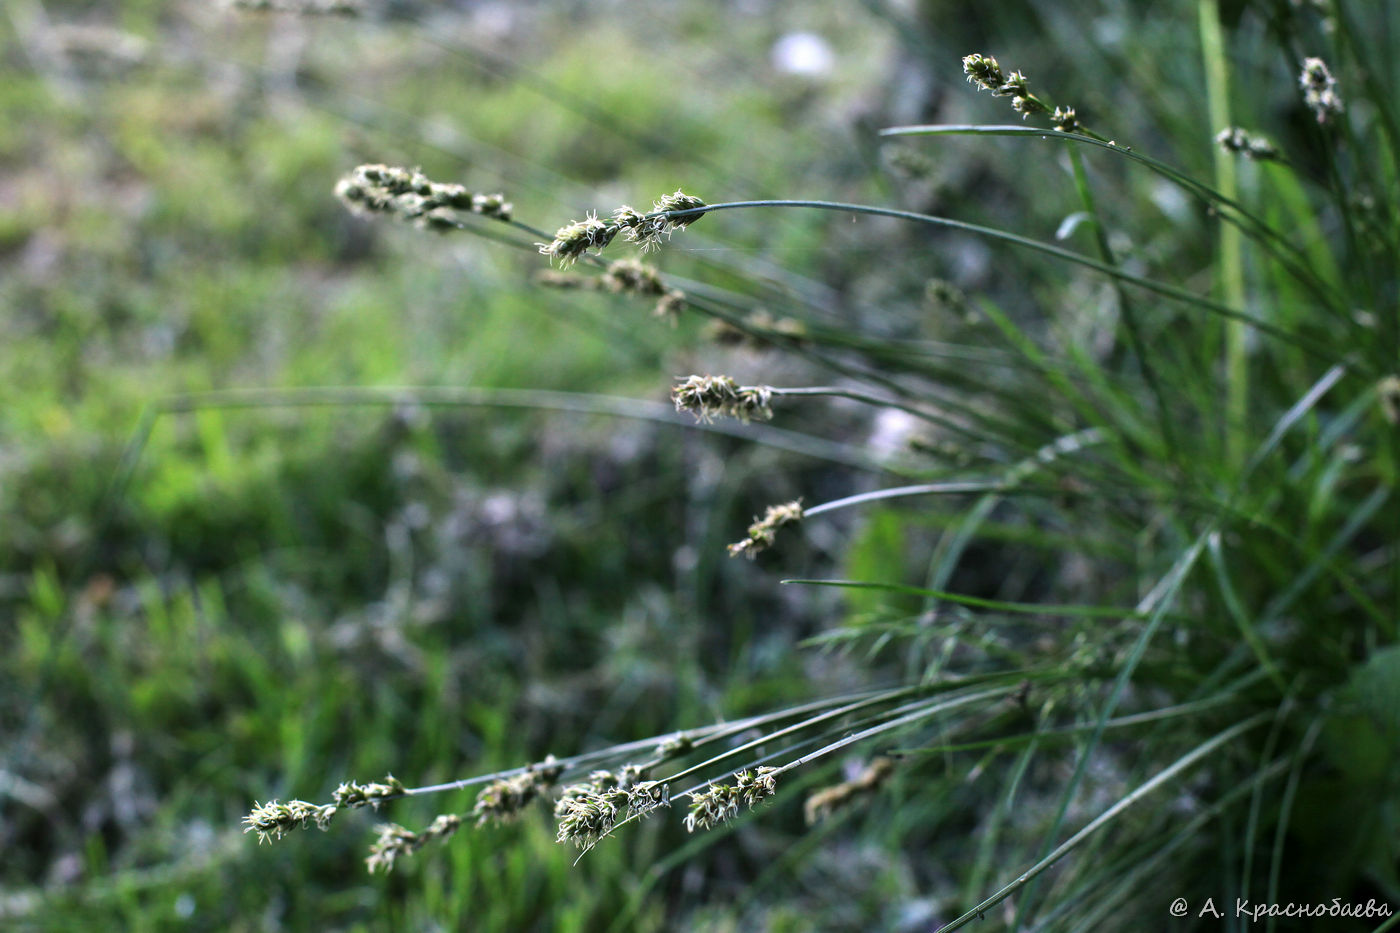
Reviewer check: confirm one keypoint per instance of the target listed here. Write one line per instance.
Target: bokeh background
(207, 600)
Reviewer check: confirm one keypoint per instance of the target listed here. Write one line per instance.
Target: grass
(1088, 438)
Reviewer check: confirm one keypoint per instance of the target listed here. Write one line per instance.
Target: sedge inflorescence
(1320, 89)
(764, 531)
(645, 230)
(412, 196)
(354, 794)
(503, 800)
(1239, 140)
(719, 803)
(395, 842)
(986, 73)
(589, 810)
(273, 820)
(707, 397)
(622, 277)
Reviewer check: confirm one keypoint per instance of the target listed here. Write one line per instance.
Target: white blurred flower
(803, 53)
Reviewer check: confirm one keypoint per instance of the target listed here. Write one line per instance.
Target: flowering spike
(708, 396)
(395, 841)
(764, 531)
(719, 803)
(410, 195)
(1320, 89)
(273, 820)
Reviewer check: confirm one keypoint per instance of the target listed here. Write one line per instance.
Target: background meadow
(293, 496)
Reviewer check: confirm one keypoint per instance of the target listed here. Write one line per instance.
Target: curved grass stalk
(1248, 630)
(1256, 228)
(1103, 819)
(1135, 881)
(699, 738)
(796, 346)
(1161, 596)
(976, 602)
(1161, 288)
(1069, 732)
(1290, 793)
(902, 715)
(1070, 443)
(939, 706)
(470, 396)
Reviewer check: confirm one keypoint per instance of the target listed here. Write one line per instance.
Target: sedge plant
(1200, 665)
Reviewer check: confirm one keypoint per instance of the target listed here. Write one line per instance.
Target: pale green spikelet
(720, 803)
(764, 531)
(503, 800)
(1239, 140)
(396, 842)
(1320, 89)
(709, 396)
(273, 820)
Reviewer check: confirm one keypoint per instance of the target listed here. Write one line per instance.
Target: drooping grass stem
(1230, 210)
(1161, 288)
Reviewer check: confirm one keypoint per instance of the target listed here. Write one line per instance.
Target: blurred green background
(202, 606)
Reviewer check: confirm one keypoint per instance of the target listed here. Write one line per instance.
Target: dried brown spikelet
(822, 803)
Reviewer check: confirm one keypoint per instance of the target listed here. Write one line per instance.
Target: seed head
(986, 74)
(1015, 85)
(645, 796)
(1239, 140)
(646, 230)
(679, 201)
(675, 747)
(585, 816)
(1320, 89)
(708, 396)
(410, 195)
(395, 841)
(503, 800)
(719, 803)
(983, 71)
(572, 240)
(633, 277)
(1065, 119)
(353, 794)
(1025, 106)
(273, 820)
(764, 531)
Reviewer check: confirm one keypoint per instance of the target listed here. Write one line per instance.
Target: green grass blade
(1108, 816)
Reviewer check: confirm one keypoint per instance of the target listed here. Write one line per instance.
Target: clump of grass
(1261, 533)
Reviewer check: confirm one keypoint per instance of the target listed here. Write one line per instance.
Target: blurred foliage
(206, 604)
